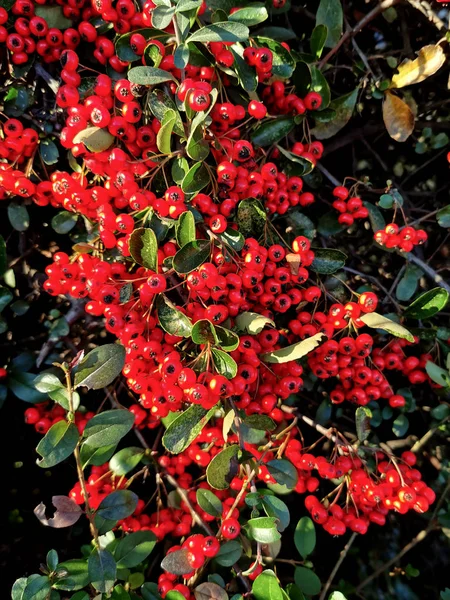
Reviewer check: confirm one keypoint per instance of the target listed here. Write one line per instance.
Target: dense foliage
(234, 325)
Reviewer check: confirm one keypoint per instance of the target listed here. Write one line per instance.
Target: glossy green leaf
(164, 136)
(225, 31)
(251, 217)
(143, 247)
(376, 218)
(76, 575)
(118, 505)
(320, 85)
(443, 216)
(428, 304)
(108, 428)
(134, 548)
(254, 14)
(100, 366)
(36, 587)
(295, 165)
(149, 76)
(407, 286)
(307, 581)
(330, 13)
(327, 260)
(274, 507)
(126, 460)
(49, 152)
(437, 374)
(18, 216)
(245, 73)
(204, 332)
(305, 537)
(263, 529)
(185, 428)
(171, 319)
(209, 502)
(196, 179)
(191, 256)
(229, 553)
(64, 221)
(185, 228)
(224, 363)
(102, 570)
(266, 587)
(294, 351)
(272, 131)
(223, 468)
(159, 103)
(283, 64)
(343, 107)
(318, 39)
(283, 471)
(58, 444)
(232, 238)
(22, 385)
(227, 339)
(123, 43)
(96, 456)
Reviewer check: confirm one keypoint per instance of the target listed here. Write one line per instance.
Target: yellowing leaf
(94, 138)
(377, 321)
(429, 60)
(293, 352)
(398, 117)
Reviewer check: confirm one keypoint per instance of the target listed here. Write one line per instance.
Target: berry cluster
(349, 209)
(403, 239)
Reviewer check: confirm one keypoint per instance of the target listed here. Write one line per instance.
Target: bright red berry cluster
(349, 209)
(403, 239)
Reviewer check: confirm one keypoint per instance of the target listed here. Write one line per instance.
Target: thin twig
(429, 13)
(438, 279)
(336, 567)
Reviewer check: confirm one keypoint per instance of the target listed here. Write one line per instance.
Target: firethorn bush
(231, 392)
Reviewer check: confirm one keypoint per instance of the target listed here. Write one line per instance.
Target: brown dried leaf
(398, 117)
(67, 513)
(429, 60)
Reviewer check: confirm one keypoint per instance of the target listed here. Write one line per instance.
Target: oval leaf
(307, 581)
(94, 138)
(185, 428)
(294, 351)
(327, 260)
(108, 428)
(143, 247)
(223, 468)
(209, 502)
(377, 321)
(134, 549)
(149, 76)
(191, 256)
(102, 570)
(266, 587)
(171, 319)
(126, 460)
(284, 472)
(305, 537)
(398, 117)
(428, 304)
(118, 505)
(58, 444)
(225, 31)
(272, 131)
(429, 60)
(100, 366)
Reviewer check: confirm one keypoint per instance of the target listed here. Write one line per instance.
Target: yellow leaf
(94, 138)
(398, 117)
(377, 321)
(429, 60)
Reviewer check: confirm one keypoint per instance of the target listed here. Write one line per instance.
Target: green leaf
(164, 136)
(195, 179)
(305, 537)
(102, 570)
(100, 366)
(58, 444)
(344, 107)
(209, 502)
(76, 577)
(47, 383)
(180, 167)
(329, 225)
(407, 285)
(376, 321)
(191, 256)
(177, 562)
(376, 218)
(126, 460)
(232, 238)
(223, 468)
(266, 587)
(245, 73)
(272, 131)
(64, 221)
(283, 63)
(400, 425)
(185, 428)
(227, 339)
(327, 260)
(149, 76)
(274, 507)
(18, 216)
(428, 304)
(318, 39)
(251, 217)
(159, 103)
(225, 31)
(123, 43)
(96, 456)
(362, 419)
(36, 587)
(281, 34)
(296, 165)
(438, 375)
(307, 581)
(118, 505)
(185, 228)
(283, 471)
(443, 216)
(162, 16)
(224, 363)
(21, 384)
(53, 15)
(108, 427)
(337, 596)
(263, 529)
(149, 591)
(320, 85)
(171, 319)
(250, 15)
(134, 548)
(143, 247)
(5, 297)
(330, 13)
(294, 351)
(94, 138)
(204, 332)
(252, 323)
(229, 553)
(49, 152)
(3, 260)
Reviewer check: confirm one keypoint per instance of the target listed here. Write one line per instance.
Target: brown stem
(336, 567)
(438, 279)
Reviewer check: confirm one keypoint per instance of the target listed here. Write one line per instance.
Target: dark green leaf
(123, 43)
(149, 591)
(195, 179)
(159, 103)
(58, 444)
(443, 216)
(18, 216)
(21, 384)
(428, 304)
(180, 167)
(171, 319)
(259, 422)
(191, 256)
(221, 32)
(276, 33)
(49, 152)
(274, 507)
(209, 502)
(143, 247)
(100, 366)
(327, 260)
(362, 420)
(229, 553)
(53, 15)
(5, 297)
(329, 225)
(134, 548)
(126, 460)
(307, 581)
(232, 238)
(149, 76)
(375, 216)
(102, 570)
(400, 426)
(330, 13)
(162, 16)
(227, 339)
(305, 537)
(318, 39)
(283, 471)
(283, 63)
(118, 505)
(344, 107)
(204, 332)
(251, 217)
(320, 85)
(266, 587)
(223, 468)
(185, 428)
(96, 456)
(245, 73)
(181, 56)
(108, 428)
(164, 136)
(272, 131)
(263, 529)
(76, 575)
(407, 285)
(250, 15)
(224, 363)
(297, 165)
(438, 375)
(302, 78)
(36, 587)
(64, 221)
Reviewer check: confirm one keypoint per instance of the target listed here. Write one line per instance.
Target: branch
(382, 6)
(339, 562)
(428, 271)
(425, 9)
